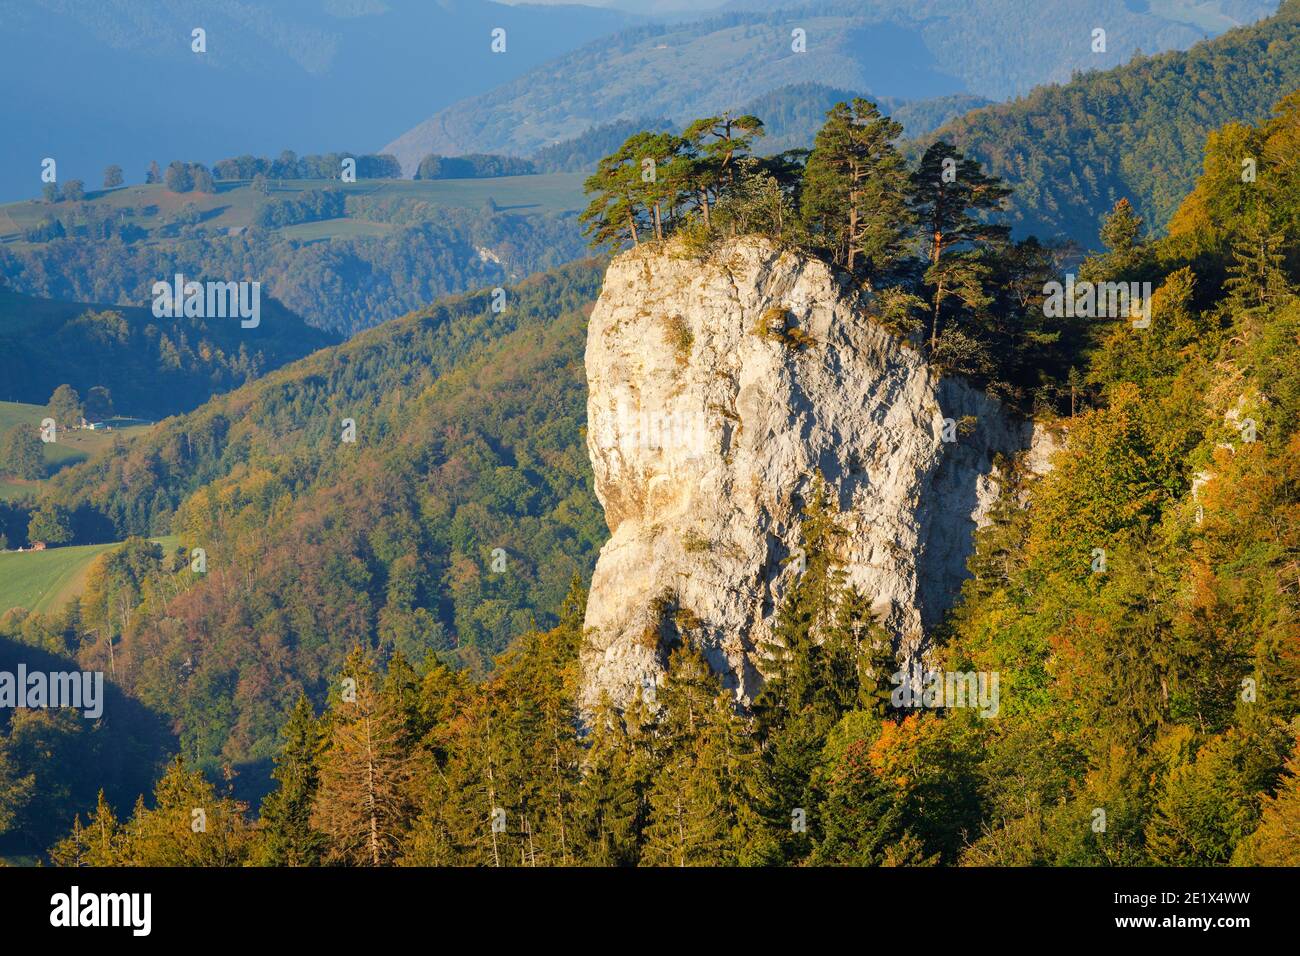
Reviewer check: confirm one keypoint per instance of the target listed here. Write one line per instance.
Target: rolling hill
(71, 447)
(396, 246)
(44, 581)
(153, 367)
(902, 49)
(380, 204)
(468, 440)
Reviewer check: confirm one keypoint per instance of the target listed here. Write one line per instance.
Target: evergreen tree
(22, 454)
(717, 145)
(827, 653)
(189, 824)
(287, 836)
(696, 791)
(1121, 228)
(619, 213)
(609, 799)
(98, 843)
(861, 816)
(947, 189)
(1276, 841)
(15, 787)
(1257, 277)
(828, 658)
(362, 804)
(855, 188)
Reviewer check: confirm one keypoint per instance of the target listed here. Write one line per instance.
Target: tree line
(923, 236)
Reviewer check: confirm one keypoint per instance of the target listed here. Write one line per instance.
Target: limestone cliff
(717, 390)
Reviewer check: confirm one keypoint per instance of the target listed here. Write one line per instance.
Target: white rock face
(705, 436)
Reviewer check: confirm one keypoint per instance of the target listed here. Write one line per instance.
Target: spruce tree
(98, 843)
(190, 824)
(362, 803)
(828, 657)
(608, 797)
(1121, 234)
(1257, 276)
(287, 836)
(693, 797)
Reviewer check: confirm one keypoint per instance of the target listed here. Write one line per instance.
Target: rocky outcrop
(718, 389)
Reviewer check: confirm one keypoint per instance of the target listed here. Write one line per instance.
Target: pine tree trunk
(934, 321)
(935, 251)
(559, 797)
(853, 232)
(492, 794)
(371, 801)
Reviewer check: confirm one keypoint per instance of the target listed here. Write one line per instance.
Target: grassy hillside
(902, 49)
(1071, 151)
(397, 245)
(72, 446)
(377, 206)
(44, 581)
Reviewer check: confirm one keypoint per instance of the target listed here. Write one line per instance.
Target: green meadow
(43, 581)
(70, 447)
(235, 203)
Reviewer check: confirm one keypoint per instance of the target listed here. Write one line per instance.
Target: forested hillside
(338, 601)
(151, 367)
(453, 523)
(1138, 604)
(345, 257)
(1073, 150)
(793, 114)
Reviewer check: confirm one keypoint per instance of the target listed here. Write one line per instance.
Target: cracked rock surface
(705, 433)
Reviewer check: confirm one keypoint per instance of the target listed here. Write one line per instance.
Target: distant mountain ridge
(914, 50)
(310, 75)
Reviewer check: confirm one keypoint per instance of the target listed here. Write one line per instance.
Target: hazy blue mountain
(94, 82)
(890, 49)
